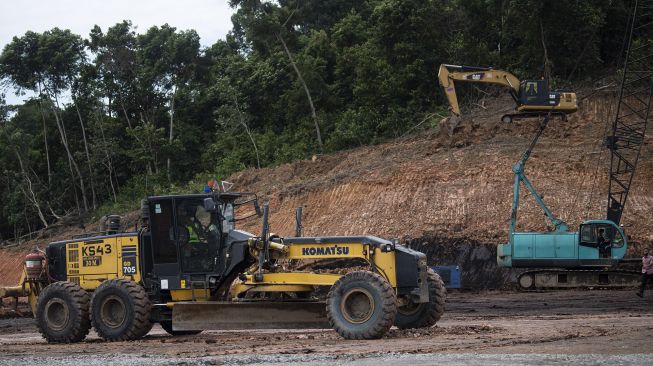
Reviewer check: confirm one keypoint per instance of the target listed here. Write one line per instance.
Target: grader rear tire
(361, 305)
(62, 313)
(425, 314)
(120, 310)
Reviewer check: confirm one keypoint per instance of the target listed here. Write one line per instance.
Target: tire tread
(434, 309)
(141, 324)
(80, 302)
(388, 306)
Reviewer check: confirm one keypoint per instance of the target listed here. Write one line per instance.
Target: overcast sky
(210, 18)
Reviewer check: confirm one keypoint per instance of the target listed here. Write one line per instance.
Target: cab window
(589, 235)
(618, 240)
(196, 236)
(228, 222)
(163, 244)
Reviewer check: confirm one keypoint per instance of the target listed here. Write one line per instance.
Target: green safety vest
(192, 233)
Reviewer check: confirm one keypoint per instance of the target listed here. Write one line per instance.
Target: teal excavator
(591, 255)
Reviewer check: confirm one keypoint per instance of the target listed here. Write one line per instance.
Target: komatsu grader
(190, 269)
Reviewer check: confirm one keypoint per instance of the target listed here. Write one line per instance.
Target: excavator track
(512, 117)
(546, 279)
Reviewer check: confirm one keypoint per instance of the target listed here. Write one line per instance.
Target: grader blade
(248, 315)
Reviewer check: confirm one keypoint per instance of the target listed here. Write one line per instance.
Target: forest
(117, 114)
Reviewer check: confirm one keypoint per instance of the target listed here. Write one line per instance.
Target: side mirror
(257, 208)
(209, 204)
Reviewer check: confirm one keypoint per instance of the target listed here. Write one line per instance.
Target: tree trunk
(172, 124)
(109, 160)
(71, 159)
(45, 138)
(31, 196)
(547, 62)
(88, 156)
(52, 211)
(251, 138)
(124, 111)
(308, 93)
(152, 165)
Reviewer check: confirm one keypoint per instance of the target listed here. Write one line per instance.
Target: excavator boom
(448, 74)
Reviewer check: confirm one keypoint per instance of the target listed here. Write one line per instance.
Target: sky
(210, 18)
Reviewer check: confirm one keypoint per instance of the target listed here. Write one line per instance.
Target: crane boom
(633, 109)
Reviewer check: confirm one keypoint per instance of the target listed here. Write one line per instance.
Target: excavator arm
(450, 74)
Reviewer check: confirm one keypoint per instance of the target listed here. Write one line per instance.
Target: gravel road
(488, 328)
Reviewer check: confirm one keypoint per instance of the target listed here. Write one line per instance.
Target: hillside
(447, 192)
(455, 182)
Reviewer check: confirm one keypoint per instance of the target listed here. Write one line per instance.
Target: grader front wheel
(120, 310)
(426, 314)
(361, 305)
(62, 313)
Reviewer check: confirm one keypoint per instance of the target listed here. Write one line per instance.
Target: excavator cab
(603, 238)
(536, 93)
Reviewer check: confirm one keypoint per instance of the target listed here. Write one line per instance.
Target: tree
(46, 64)
(169, 59)
(265, 19)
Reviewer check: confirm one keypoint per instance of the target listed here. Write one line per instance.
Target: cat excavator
(532, 97)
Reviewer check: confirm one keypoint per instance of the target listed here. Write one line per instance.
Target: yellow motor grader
(190, 269)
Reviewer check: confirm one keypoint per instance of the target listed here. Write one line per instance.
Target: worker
(603, 244)
(647, 271)
(191, 224)
(531, 89)
(188, 230)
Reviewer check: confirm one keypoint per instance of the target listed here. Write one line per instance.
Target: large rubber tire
(428, 313)
(62, 314)
(361, 305)
(120, 310)
(167, 326)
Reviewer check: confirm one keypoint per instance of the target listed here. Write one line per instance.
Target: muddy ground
(532, 328)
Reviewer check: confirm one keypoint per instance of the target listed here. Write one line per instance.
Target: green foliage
(154, 113)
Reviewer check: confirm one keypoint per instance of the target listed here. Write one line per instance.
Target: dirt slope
(455, 182)
(451, 183)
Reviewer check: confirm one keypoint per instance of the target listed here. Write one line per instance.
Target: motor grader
(188, 268)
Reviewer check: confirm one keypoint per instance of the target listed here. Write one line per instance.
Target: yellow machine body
(383, 261)
(91, 261)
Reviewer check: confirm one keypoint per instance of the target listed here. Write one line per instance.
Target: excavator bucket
(248, 315)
